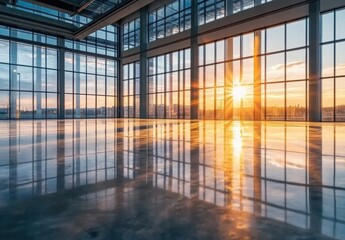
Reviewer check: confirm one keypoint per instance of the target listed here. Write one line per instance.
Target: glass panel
(248, 71)
(101, 106)
(209, 103)
(328, 99)
(69, 106)
(275, 67)
(51, 110)
(296, 34)
(340, 99)
(220, 48)
(275, 39)
(210, 74)
(327, 27)
(25, 105)
(51, 80)
(4, 105)
(248, 45)
(295, 65)
(275, 101)
(210, 53)
(5, 50)
(339, 24)
(39, 105)
(4, 76)
(340, 59)
(296, 101)
(91, 106)
(327, 60)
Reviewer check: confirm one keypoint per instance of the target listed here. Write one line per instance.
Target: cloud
(288, 65)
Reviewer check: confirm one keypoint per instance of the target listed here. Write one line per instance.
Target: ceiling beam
(110, 17)
(33, 22)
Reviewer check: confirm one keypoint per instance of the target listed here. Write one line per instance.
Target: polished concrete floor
(170, 179)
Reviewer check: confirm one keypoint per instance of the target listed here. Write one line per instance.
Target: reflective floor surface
(171, 179)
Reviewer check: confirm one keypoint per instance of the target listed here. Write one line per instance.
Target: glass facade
(262, 72)
(170, 19)
(212, 85)
(90, 86)
(169, 85)
(284, 74)
(279, 62)
(131, 34)
(28, 79)
(333, 66)
(209, 11)
(131, 90)
(33, 78)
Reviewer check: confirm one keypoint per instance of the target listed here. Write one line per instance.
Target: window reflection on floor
(290, 172)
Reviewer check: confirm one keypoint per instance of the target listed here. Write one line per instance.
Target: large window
(131, 34)
(227, 69)
(212, 80)
(333, 66)
(170, 19)
(169, 85)
(28, 80)
(90, 86)
(284, 59)
(209, 11)
(131, 90)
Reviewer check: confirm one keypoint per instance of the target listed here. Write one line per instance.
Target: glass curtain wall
(212, 80)
(169, 85)
(90, 86)
(28, 79)
(169, 19)
(227, 70)
(131, 34)
(208, 11)
(131, 90)
(284, 64)
(333, 65)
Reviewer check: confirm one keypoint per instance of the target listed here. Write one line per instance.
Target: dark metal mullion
(285, 77)
(214, 80)
(334, 66)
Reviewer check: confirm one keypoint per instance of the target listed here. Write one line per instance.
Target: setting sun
(238, 92)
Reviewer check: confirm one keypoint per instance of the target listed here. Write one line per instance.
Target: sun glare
(238, 92)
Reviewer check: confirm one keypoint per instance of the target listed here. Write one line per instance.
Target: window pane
(340, 99)
(4, 51)
(275, 101)
(295, 65)
(248, 45)
(296, 34)
(275, 67)
(4, 105)
(4, 77)
(340, 59)
(327, 60)
(295, 101)
(327, 27)
(275, 39)
(327, 100)
(340, 20)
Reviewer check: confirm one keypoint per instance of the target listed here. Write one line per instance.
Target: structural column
(194, 61)
(257, 76)
(314, 62)
(61, 79)
(143, 63)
